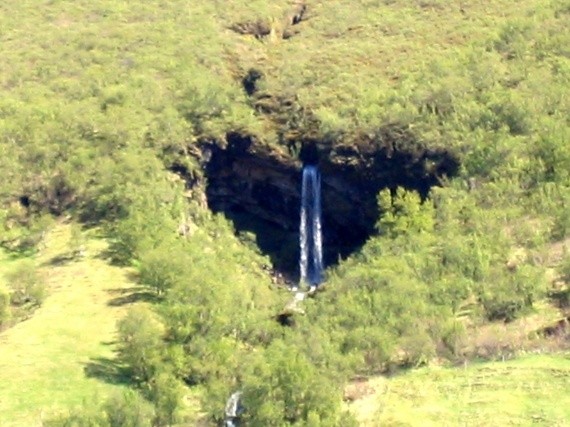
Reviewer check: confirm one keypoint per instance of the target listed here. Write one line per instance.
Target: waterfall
(311, 259)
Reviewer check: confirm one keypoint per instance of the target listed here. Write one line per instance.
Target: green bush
(5, 311)
(27, 285)
(564, 268)
(128, 409)
(416, 348)
(453, 337)
(404, 213)
(283, 388)
(505, 295)
(162, 268)
(561, 226)
(140, 343)
(123, 409)
(166, 394)
(84, 417)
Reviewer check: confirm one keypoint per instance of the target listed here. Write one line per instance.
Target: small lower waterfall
(311, 259)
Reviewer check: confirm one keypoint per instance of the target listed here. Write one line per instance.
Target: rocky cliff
(259, 186)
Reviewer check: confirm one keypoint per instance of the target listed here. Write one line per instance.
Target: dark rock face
(259, 189)
(249, 81)
(241, 179)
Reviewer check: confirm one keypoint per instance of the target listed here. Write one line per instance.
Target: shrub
(561, 226)
(417, 348)
(282, 387)
(76, 244)
(128, 409)
(564, 268)
(506, 295)
(166, 395)
(84, 417)
(27, 285)
(5, 312)
(125, 409)
(161, 269)
(140, 343)
(404, 213)
(453, 337)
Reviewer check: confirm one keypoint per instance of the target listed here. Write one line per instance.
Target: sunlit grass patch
(531, 390)
(45, 360)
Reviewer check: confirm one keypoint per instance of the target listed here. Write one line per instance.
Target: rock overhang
(251, 182)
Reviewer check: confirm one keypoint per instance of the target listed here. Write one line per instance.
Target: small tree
(283, 387)
(404, 213)
(166, 394)
(506, 295)
(161, 269)
(140, 343)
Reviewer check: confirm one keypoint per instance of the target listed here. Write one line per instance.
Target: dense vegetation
(99, 99)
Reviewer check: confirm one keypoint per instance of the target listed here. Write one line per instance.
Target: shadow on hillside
(114, 256)
(109, 255)
(131, 295)
(561, 298)
(132, 276)
(107, 370)
(60, 260)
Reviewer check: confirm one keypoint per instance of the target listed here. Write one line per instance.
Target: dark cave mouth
(259, 191)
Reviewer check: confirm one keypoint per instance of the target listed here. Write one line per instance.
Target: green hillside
(528, 391)
(46, 360)
(154, 149)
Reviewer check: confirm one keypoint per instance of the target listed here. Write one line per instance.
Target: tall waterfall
(311, 260)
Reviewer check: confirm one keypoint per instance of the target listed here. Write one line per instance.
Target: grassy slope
(63, 62)
(42, 360)
(529, 390)
(533, 390)
(354, 64)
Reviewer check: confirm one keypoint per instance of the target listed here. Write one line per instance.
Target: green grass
(531, 390)
(43, 360)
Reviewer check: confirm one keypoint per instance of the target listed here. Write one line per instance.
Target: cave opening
(259, 190)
